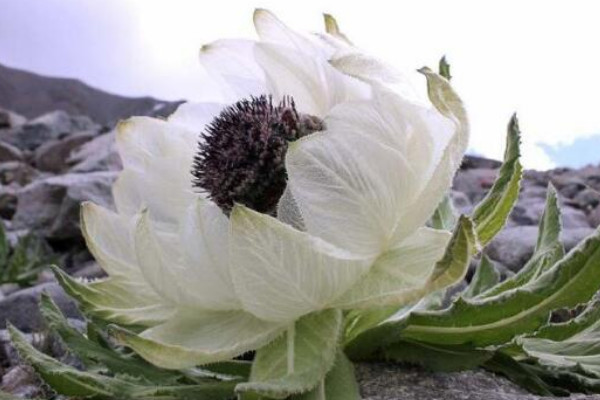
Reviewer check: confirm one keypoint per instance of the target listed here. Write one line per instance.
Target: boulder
(50, 206)
(386, 381)
(474, 183)
(514, 245)
(100, 154)
(9, 152)
(22, 382)
(51, 126)
(18, 173)
(594, 217)
(21, 308)
(52, 156)
(528, 211)
(476, 162)
(9, 119)
(8, 202)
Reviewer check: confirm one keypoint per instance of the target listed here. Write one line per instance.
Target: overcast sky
(539, 58)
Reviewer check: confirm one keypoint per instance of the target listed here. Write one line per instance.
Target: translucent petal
(195, 116)
(231, 64)
(194, 278)
(399, 272)
(195, 337)
(280, 273)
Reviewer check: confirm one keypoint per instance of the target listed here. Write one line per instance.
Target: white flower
(350, 229)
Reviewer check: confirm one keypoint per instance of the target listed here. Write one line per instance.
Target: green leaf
(513, 370)
(340, 383)
(485, 277)
(564, 330)
(93, 354)
(4, 248)
(492, 212)
(69, 381)
(437, 357)
(449, 270)
(547, 252)
(316, 337)
(569, 381)
(444, 68)
(444, 216)
(496, 320)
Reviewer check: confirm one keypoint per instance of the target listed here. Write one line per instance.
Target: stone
(594, 217)
(100, 154)
(514, 245)
(8, 152)
(9, 119)
(475, 162)
(529, 211)
(461, 203)
(8, 202)
(387, 381)
(21, 381)
(568, 183)
(21, 308)
(587, 199)
(474, 183)
(51, 126)
(17, 172)
(51, 206)
(52, 156)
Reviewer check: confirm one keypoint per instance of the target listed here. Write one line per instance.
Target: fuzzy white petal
(280, 273)
(195, 116)
(195, 337)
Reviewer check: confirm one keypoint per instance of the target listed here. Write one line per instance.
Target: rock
(52, 156)
(386, 381)
(594, 217)
(21, 308)
(514, 245)
(587, 199)
(100, 154)
(50, 206)
(9, 119)
(529, 212)
(461, 203)
(567, 182)
(22, 382)
(51, 126)
(476, 162)
(17, 172)
(8, 202)
(9, 152)
(474, 183)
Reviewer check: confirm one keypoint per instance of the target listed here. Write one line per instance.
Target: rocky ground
(50, 164)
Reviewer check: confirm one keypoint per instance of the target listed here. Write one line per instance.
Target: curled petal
(280, 273)
(195, 116)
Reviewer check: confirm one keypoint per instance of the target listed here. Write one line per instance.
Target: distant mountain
(31, 95)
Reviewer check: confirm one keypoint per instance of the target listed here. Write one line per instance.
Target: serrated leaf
(93, 354)
(547, 252)
(486, 276)
(69, 381)
(496, 320)
(564, 330)
(436, 357)
(444, 216)
(491, 214)
(340, 383)
(568, 380)
(450, 269)
(316, 337)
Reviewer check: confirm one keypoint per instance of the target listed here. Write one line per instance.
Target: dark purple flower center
(241, 153)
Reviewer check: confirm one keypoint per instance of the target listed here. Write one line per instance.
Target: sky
(537, 58)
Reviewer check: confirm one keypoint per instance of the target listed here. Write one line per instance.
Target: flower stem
(291, 338)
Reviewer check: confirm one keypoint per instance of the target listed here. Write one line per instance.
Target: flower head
(355, 164)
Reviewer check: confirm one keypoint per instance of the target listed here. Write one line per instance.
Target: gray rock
(514, 245)
(51, 126)
(50, 206)
(8, 202)
(22, 382)
(474, 162)
(528, 211)
(461, 203)
(9, 119)
(587, 199)
(21, 308)
(17, 172)
(594, 217)
(381, 381)
(9, 152)
(52, 156)
(474, 183)
(100, 154)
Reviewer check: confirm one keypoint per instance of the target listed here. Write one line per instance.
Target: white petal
(280, 273)
(231, 64)
(314, 84)
(399, 272)
(195, 116)
(195, 338)
(178, 275)
(357, 182)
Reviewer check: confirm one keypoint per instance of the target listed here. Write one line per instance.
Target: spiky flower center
(241, 153)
